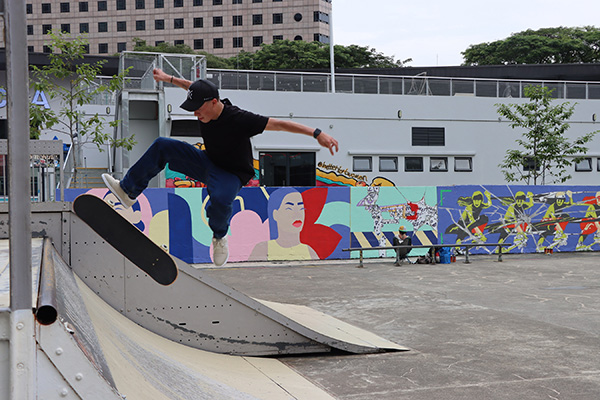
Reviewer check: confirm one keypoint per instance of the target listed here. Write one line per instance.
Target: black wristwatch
(316, 133)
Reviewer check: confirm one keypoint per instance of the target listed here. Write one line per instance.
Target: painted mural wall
(317, 223)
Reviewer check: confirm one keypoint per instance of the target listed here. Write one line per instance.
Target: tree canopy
(288, 54)
(560, 45)
(544, 151)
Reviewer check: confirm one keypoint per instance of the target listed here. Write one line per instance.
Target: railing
(46, 159)
(420, 85)
(141, 64)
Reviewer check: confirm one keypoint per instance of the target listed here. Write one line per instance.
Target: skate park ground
(524, 328)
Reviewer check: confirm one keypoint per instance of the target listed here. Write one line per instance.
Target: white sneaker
(114, 186)
(220, 251)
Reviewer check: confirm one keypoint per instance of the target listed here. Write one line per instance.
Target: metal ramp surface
(88, 350)
(201, 312)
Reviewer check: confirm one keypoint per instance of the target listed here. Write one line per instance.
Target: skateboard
(126, 238)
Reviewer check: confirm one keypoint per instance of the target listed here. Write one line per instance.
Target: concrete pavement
(524, 328)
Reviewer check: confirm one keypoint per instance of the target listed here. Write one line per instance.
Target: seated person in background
(400, 240)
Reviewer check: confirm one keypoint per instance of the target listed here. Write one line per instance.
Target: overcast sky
(435, 32)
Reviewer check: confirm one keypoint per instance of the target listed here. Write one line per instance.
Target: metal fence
(45, 162)
(419, 85)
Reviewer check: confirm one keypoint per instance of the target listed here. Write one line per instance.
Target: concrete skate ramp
(201, 312)
(146, 366)
(100, 354)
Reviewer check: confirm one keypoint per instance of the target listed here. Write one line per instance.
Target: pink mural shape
(246, 230)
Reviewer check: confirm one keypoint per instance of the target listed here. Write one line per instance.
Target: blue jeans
(222, 186)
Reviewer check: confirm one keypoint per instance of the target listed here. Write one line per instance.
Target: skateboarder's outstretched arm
(161, 76)
(324, 139)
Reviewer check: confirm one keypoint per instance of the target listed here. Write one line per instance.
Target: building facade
(219, 27)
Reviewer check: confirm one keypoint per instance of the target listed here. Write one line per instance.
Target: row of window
(198, 44)
(411, 164)
(159, 24)
(102, 5)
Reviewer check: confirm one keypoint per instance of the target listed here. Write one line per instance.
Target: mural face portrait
(290, 214)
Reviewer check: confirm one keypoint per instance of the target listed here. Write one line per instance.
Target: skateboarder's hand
(160, 75)
(328, 141)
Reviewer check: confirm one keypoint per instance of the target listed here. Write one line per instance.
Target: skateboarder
(225, 165)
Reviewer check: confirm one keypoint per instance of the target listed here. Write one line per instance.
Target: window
(428, 137)
(198, 22)
(140, 25)
(121, 46)
(238, 42)
(46, 8)
(102, 5)
(598, 164)
(198, 44)
(362, 164)
(257, 19)
(277, 37)
(46, 49)
(140, 4)
(29, 29)
(319, 16)
(388, 164)
(65, 7)
(29, 8)
(178, 23)
(46, 29)
(319, 37)
(257, 1)
(158, 43)
(297, 37)
(217, 2)
(159, 24)
(218, 43)
(102, 26)
(217, 21)
(297, 17)
(463, 164)
(185, 127)
(278, 18)
(121, 26)
(287, 168)
(584, 165)
(529, 164)
(413, 164)
(236, 2)
(66, 28)
(197, 2)
(159, 3)
(257, 41)
(83, 6)
(121, 5)
(30, 49)
(84, 27)
(177, 3)
(237, 20)
(102, 48)
(179, 42)
(438, 164)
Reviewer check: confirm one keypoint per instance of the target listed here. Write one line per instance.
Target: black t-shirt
(227, 140)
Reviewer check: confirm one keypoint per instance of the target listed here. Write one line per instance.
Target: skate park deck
(525, 328)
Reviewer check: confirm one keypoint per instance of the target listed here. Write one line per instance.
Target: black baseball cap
(199, 92)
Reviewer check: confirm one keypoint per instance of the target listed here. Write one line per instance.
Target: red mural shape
(321, 238)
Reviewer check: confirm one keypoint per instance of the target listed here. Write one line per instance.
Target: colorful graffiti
(527, 218)
(313, 223)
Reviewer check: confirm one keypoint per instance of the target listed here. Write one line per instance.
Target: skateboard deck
(126, 238)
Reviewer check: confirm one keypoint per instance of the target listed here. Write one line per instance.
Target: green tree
(212, 61)
(545, 152)
(298, 54)
(72, 81)
(543, 46)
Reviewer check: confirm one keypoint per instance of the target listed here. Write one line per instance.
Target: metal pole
(22, 341)
(331, 55)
